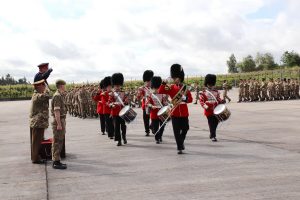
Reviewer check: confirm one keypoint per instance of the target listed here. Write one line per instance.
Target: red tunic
(105, 102)
(142, 93)
(117, 105)
(208, 102)
(182, 109)
(97, 98)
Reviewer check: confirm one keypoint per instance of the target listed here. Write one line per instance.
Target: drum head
(219, 109)
(162, 110)
(124, 110)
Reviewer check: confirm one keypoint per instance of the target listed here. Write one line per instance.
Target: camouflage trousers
(58, 139)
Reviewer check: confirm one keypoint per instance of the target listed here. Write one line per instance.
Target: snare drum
(163, 113)
(222, 112)
(128, 114)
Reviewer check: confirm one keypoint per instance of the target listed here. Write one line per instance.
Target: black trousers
(119, 127)
(102, 123)
(156, 124)
(146, 119)
(109, 125)
(213, 124)
(180, 129)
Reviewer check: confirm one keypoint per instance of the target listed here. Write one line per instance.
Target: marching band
(161, 102)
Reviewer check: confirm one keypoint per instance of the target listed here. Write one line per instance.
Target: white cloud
(87, 40)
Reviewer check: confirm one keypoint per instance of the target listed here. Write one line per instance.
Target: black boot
(59, 165)
(119, 143)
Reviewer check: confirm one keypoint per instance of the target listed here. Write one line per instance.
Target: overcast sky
(89, 39)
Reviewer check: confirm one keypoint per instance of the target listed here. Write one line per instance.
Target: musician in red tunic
(209, 99)
(97, 98)
(180, 115)
(117, 100)
(106, 107)
(143, 94)
(155, 102)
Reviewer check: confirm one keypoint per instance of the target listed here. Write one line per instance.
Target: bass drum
(163, 113)
(128, 114)
(222, 112)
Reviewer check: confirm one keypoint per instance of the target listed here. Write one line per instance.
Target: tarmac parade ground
(257, 157)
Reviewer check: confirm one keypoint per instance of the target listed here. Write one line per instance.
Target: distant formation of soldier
(80, 103)
(251, 90)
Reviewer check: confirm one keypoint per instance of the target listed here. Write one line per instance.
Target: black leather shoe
(39, 162)
(214, 140)
(59, 165)
(125, 141)
(119, 143)
(180, 152)
(157, 142)
(103, 133)
(147, 134)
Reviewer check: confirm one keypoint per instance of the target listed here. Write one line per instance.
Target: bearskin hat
(107, 81)
(117, 79)
(177, 72)
(148, 74)
(210, 79)
(156, 82)
(101, 84)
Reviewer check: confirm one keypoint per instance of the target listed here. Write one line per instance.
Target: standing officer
(225, 88)
(59, 112)
(44, 72)
(39, 119)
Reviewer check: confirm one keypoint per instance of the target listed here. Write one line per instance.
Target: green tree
(231, 63)
(247, 65)
(290, 59)
(265, 61)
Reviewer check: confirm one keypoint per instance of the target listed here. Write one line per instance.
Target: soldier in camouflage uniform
(197, 89)
(264, 90)
(297, 95)
(285, 89)
(292, 89)
(241, 91)
(83, 101)
(225, 91)
(271, 89)
(247, 90)
(39, 119)
(257, 90)
(252, 90)
(59, 112)
(277, 90)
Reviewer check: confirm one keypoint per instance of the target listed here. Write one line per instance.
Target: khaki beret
(60, 82)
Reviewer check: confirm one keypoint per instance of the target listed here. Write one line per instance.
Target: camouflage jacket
(58, 103)
(39, 112)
